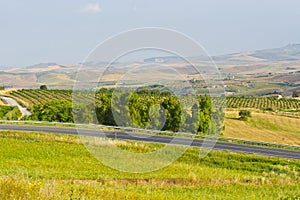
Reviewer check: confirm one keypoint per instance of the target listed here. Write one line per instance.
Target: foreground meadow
(50, 166)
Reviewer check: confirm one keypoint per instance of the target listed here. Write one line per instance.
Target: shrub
(244, 114)
(43, 87)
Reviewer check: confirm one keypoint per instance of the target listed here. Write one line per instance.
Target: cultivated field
(264, 103)
(264, 127)
(266, 123)
(32, 97)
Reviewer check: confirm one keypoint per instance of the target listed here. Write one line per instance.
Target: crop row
(33, 97)
(263, 103)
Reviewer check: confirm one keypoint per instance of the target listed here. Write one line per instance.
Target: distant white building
(278, 96)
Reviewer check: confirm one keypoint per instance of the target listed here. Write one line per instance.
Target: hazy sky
(65, 31)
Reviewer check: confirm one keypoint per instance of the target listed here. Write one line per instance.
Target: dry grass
(1, 102)
(263, 127)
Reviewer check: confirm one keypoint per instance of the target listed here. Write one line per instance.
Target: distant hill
(166, 59)
(260, 64)
(290, 52)
(41, 65)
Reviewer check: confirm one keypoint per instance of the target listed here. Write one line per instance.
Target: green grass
(50, 166)
(9, 113)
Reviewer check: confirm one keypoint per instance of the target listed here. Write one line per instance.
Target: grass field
(50, 166)
(264, 127)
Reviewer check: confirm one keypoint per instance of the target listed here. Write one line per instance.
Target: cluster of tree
(160, 112)
(151, 110)
(52, 111)
(9, 113)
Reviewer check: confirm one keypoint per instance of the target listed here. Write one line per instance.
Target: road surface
(13, 102)
(225, 146)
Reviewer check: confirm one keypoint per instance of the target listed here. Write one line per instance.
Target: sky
(65, 31)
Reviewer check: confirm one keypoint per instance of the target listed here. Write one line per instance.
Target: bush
(43, 87)
(269, 109)
(244, 114)
(9, 113)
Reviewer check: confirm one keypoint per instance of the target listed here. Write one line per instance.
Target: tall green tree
(173, 114)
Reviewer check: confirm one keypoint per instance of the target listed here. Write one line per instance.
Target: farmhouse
(275, 95)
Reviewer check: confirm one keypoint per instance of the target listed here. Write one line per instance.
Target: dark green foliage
(269, 109)
(173, 114)
(104, 110)
(84, 113)
(53, 111)
(4, 110)
(205, 111)
(9, 113)
(158, 111)
(138, 112)
(43, 87)
(145, 108)
(244, 114)
(166, 93)
(120, 108)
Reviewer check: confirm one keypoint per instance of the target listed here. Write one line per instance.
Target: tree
(173, 114)
(53, 111)
(244, 114)
(43, 87)
(296, 93)
(205, 111)
(104, 111)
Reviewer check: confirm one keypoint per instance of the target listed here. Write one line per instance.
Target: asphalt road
(224, 146)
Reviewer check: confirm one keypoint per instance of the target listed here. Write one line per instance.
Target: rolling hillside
(274, 66)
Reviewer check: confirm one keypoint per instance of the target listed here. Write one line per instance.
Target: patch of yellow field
(263, 127)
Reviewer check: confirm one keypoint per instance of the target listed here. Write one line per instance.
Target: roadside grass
(179, 135)
(263, 127)
(52, 166)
